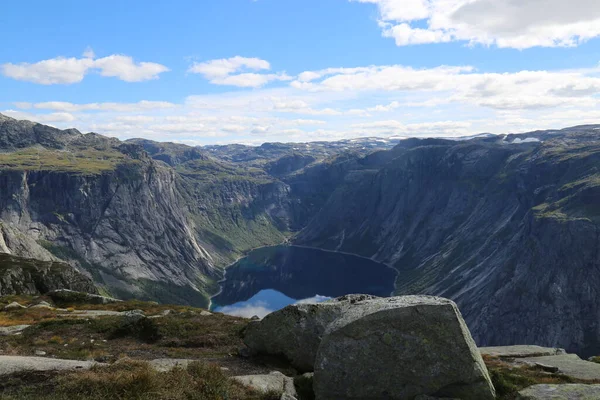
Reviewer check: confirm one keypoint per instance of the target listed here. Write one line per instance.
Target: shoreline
(224, 277)
(288, 244)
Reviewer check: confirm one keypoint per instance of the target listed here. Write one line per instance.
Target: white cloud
(335, 103)
(61, 70)
(124, 68)
(58, 70)
(505, 23)
(143, 105)
(222, 68)
(231, 72)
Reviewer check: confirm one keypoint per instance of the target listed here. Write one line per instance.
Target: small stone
(205, 313)
(547, 368)
(40, 353)
(273, 382)
(14, 306)
(167, 312)
(43, 305)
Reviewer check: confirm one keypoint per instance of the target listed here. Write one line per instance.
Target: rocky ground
(77, 347)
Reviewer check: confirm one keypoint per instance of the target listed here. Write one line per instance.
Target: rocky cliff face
(33, 277)
(508, 231)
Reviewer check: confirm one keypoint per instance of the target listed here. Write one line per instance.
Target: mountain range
(505, 225)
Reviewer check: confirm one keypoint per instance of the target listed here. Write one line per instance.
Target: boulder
(295, 331)
(400, 348)
(132, 317)
(13, 306)
(560, 392)
(273, 382)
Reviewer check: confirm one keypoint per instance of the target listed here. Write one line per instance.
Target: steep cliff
(507, 228)
(103, 206)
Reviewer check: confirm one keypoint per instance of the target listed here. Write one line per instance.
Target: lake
(271, 278)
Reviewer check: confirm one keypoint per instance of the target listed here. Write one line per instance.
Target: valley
(506, 226)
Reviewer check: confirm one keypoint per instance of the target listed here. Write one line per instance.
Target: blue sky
(220, 71)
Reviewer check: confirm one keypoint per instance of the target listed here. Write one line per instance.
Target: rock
(13, 306)
(133, 316)
(40, 353)
(547, 368)
(273, 382)
(568, 364)
(205, 313)
(561, 392)
(255, 318)
(12, 364)
(72, 297)
(400, 348)
(295, 331)
(167, 364)
(520, 351)
(13, 330)
(43, 305)
(167, 312)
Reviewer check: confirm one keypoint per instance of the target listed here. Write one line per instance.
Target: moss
(84, 161)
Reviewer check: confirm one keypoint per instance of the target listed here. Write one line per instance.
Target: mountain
(507, 226)
(145, 219)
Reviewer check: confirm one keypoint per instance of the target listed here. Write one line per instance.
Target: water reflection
(271, 278)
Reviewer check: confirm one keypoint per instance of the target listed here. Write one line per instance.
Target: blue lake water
(271, 278)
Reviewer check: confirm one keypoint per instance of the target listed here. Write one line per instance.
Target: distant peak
(5, 118)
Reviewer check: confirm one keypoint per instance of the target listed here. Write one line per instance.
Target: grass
(185, 333)
(85, 161)
(130, 380)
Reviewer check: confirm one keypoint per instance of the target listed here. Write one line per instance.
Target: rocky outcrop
(400, 348)
(362, 347)
(33, 277)
(560, 392)
(295, 332)
(66, 296)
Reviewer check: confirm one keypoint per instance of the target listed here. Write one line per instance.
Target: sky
(253, 71)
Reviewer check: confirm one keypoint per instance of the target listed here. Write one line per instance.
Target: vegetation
(85, 161)
(130, 380)
(67, 333)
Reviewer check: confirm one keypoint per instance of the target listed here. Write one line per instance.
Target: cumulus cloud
(230, 72)
(516, 24)
(62, 70)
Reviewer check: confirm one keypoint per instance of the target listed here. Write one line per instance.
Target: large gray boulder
(400, 348)
(295, 331)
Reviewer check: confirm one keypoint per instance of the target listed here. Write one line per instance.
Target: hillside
(505, 226)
